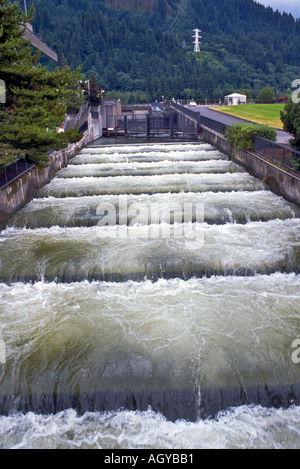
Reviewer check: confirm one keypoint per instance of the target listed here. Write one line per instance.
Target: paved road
(282, 137)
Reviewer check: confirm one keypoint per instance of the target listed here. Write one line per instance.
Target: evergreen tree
(36, 100)
(244, 44)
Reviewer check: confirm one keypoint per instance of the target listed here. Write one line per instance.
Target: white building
(234, 99)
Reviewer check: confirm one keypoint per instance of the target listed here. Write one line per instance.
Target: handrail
(277, 152)
(217, 126)
(10, 172)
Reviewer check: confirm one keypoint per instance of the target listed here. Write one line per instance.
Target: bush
(71, 135)
(291, 122)
(242, 135)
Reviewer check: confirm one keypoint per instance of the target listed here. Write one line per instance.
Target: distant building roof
(235, 95)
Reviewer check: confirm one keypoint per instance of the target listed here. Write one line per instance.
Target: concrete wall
(21, 191)
(79, 119)
(95, 123)
(110, 110)
(89, 115)
(281, 181)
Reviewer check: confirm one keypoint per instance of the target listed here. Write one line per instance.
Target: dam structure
(150, 298)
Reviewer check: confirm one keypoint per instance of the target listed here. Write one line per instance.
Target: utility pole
(25, 6)
(197, 38)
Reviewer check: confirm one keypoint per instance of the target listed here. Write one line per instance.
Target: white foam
(80, 186)
(246, 427)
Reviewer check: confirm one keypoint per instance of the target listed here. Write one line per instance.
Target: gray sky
(290, 6)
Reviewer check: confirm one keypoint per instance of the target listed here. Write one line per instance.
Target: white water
(144, 168)
(134, 252)
(245, 427)
(82, 186)
(221, 317)
(220, 207)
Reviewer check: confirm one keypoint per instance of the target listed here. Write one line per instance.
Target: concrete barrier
(281, 181)
(21, 191)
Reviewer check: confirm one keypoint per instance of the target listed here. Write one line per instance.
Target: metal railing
(217, 126)
(13, 171)
(185, 110)
(212, 124)
(150, 125)
(286, 156)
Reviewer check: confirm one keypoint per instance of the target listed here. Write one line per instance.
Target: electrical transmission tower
(197, 38)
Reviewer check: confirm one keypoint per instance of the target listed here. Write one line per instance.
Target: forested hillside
(145, 48)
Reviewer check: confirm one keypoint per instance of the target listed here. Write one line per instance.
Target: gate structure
(160, 124)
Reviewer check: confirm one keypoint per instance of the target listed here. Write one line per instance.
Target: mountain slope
(139, 46)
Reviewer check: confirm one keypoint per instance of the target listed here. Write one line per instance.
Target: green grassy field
(261, 113)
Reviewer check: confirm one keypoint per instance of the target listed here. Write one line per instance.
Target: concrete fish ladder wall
(280, 181)
(21, 191)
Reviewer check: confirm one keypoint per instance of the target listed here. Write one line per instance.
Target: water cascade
(150, 298)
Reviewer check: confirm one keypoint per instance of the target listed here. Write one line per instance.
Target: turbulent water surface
(149, 298)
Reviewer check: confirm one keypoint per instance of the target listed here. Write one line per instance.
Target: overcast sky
(290, 6)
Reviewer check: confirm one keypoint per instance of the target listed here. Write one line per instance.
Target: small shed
(234, 99)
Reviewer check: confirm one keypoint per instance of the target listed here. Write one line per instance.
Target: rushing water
(151, 332)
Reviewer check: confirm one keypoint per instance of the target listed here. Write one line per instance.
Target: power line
(235, 47)
(178, 11)
(234, 43)
(223, 38)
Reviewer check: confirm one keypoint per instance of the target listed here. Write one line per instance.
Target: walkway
(206, 111)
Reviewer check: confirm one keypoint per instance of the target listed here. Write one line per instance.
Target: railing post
(198, 123)
(125, 125)
(172, 125)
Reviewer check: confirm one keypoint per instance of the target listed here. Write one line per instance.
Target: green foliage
(131, 50)
(127, 97)
(71, 136)
(8, 153)
(266, 95)
(37, 100)
(74, 96)
(95, 91)
(242, 135)
(291, 122)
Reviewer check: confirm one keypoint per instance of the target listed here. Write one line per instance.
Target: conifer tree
(35, 98)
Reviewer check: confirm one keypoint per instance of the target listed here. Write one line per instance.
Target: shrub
(291, 122)
(242, 135)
